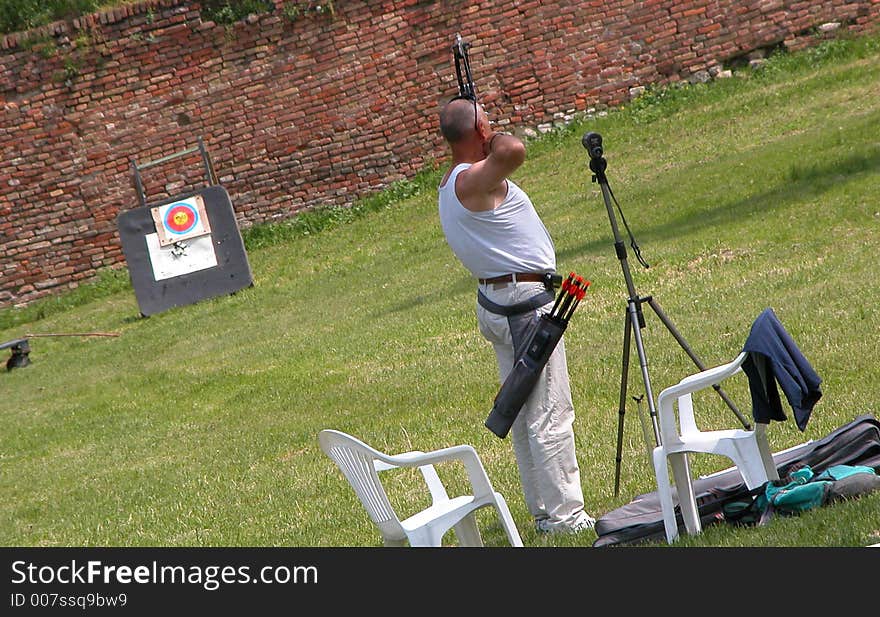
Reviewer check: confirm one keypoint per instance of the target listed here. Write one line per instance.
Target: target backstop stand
(185, 248)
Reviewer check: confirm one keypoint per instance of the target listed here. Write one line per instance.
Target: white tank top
(510, 238)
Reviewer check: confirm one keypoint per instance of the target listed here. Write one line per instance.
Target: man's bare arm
(484, 185)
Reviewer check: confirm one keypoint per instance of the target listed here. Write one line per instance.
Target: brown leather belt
(527, 277)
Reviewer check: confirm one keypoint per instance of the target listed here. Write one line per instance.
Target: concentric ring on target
(181, 218)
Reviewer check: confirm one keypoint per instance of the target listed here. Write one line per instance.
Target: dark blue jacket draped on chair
(774, 357)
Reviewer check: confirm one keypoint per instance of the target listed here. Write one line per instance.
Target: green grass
(198, 426)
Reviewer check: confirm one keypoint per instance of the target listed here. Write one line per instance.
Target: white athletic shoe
(585, 523)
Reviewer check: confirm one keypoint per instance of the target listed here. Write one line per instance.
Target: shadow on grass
(803, 180)
(462, 286)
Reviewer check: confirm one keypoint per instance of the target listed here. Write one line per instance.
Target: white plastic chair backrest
(674, 426)
(356, 460)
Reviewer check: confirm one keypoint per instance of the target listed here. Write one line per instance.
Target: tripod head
(593, 143)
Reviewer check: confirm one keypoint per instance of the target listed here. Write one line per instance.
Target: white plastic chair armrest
(432, 480)
(463, 453)
(405, 459)
(384, 462)
(703, 379)
(383, 466)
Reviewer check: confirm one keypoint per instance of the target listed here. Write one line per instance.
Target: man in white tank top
(493, 229)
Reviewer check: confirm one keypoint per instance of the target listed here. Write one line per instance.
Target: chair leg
(507, 521)
(427, 536)
(467, 532)
(394, 542)
(764, 449)
(664, 491)
(748, 455)
(686, 499)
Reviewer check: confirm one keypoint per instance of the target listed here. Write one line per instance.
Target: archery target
(181, 220)
(188, 270)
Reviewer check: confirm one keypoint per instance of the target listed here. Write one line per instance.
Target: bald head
(457, 120)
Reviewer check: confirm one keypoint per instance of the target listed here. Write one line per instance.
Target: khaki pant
(542, 434)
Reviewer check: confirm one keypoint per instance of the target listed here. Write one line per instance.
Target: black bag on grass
(641, 520)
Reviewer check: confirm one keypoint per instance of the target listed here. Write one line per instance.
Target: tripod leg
(699, 363)
(643, 363)
(621, 409)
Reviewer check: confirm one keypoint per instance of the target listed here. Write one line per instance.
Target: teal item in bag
(803, 490)
(839, 472)
(796, 493)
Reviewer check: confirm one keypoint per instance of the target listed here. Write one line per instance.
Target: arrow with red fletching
(573, 290)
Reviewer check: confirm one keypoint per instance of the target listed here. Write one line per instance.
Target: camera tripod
(635, 318)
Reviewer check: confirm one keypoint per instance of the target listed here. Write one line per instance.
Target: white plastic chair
(360, 464)
(748, 450)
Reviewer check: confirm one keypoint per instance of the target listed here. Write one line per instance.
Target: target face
(181, 220)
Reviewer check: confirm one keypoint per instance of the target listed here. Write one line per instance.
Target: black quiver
(540, 342)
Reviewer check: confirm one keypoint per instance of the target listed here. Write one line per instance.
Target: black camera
(593, 143)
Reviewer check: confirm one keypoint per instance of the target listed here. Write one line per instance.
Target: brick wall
(317, 108)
